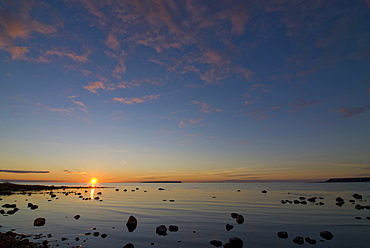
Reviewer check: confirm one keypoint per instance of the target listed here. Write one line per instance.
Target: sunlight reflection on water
(201, 212)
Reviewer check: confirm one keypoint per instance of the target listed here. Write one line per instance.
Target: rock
(216, 243)
(357, 196)
(104, 235)
(99, 193)
(359, 207)
(77, 216)
(33, 207)
(339, 199)
(129, 245)
(326, 235)
(131, 223)
(240, 219)
(234, 242)
(303, 202)
(282, 235)
(358, 218)
(160, 188)
(173, 228)
(29, 205)
(234, 215)
(302, 198)
(264, 191)
(96, 234)
(229, 227)
(117, 189)
(39, 222)
(298, 240)
(9, 205)
(310, 241)
(161, 230)
(283, 201)
(296, 202)
(312, 199)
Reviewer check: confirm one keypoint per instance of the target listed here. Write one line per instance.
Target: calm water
(201, 211)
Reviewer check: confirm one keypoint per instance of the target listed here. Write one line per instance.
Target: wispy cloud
(134, 100)
(24, 171)
(205, 107)
(47, 57)
(350, 112)
(93, 86)
(74, 172)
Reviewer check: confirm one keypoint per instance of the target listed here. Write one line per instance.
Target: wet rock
(216, 243)
(326, 235)
(33, 207)
(282, 235)
(160, 188)
(240, 219)
(303, 202)
(229, 227)
(161, 230)
(302, 198)
(77, 216)
(96, 234)
(310, 241)
(131, 223)
(2, 211)
(358, 218)
(312, 199)
(173, 228)
(129, 245)
(99, 193)
(359, 207)
(321, 203)
(125, 190)
(283, 202)
(296, 202)
(64, 239)
(339, 199)
(357, 196)
(298, 240)
(234, 215)
(104, 235)
(117, 189)
(234, 242)
(39, 222)
(77, 238)
(29, 205)
(9, 205)
(264, 191)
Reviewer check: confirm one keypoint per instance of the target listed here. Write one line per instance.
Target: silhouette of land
(162, 182)
(12, 188)
(348, 180)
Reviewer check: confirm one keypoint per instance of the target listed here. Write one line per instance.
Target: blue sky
(184, 90)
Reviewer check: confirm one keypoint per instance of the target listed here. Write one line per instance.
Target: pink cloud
(134, 100)
(205, 107)
(18, 52)
(112, 42)
(93, 86)
(79, 58)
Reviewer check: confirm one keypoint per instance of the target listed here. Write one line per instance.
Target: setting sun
(93, 180)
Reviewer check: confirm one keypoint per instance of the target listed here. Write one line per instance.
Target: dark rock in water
(326, 235)
(33, 207)
(216, 243)
(296, 202)
(99, 193)
(160, 188)
(264, 191)
(173, 228)
(129, 245)
(352, 201)
(282, 235)
(131, 223)
(368, 218)
(321, 203)
(161, 230)
(234, 215)
(339, 203)
(303, 202)
(358, 218)
(88, 233)
(125, 190)
(39, 222)
(29, 205)
(2, 211)
(302, 198)
(298, 240)
(9, 205)
(239, 219)
(77, 238)
(234, 242)
(104, 235)
(229, 227)
(357, 196)
(96, 234)
(339, 199)
(310, 241)
(117, 189)
(359, 207)
(312, 199)
(63, 239)
(283, 201)
(77, 216)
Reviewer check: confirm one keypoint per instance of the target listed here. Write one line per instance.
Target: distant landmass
(348, 180)
(162, 182)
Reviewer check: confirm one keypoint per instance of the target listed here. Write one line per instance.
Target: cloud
(205, 107)
(47, 57)
(112, 42)
(24, 171)
(302, 103)
(346, 113)
(134, 100)
(18, 52)
(93, 86)
(74, 172)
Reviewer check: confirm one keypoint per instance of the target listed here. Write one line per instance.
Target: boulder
(326, 235)
(240, 219)
(234, 215)
(310, 241)
(173, 228)
(216, 243)
(39, 222)
(161, 230)
(229, 227)
(298, 240)
(131, 223)
(282, 235)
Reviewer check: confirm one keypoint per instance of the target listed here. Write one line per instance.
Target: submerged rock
(326, 235)
(131, 223)
(39, 222)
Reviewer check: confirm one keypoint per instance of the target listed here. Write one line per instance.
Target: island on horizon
(161, 182)
(348, 180)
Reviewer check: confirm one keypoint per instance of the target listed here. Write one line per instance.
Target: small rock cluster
(299, 240)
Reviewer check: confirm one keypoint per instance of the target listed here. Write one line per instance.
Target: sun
(93, 180)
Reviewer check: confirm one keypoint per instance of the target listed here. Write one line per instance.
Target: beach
(193, 215)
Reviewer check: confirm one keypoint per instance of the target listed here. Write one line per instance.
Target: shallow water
(201, 211)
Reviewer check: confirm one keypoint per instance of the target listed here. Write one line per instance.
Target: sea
(201, 212)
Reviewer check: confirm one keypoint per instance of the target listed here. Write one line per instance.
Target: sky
(190, 90)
